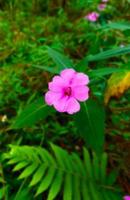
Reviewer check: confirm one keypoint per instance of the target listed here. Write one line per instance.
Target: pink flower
(126, 197)
(66, 90)
(93, 16)
(101, 6)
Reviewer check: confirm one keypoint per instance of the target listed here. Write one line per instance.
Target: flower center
(68, 91)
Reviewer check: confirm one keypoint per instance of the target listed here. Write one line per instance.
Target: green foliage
(60, 171)
(108, 54)
(61, 60)
(90, 122)
(104, 71)
(31, 114)
(22, 194)
(80, 4)
(117, 25)
(3, 186)
(39, 38)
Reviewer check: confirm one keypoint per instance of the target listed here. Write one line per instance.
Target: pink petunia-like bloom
(93, 16)
(66, 89)
(101, 6)
(126, 197)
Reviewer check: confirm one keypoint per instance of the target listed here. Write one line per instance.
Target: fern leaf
(45, 156)
(80, 166)
(38, 174)
(76, 188)
(105, 195)
(46, 181)
(61, 171)
(20, 166)
(68, 187)
(56, 185)
(114, 195)
(87, 163)
(28, 171)
(85, 191)
(96, 166)
(14, 160)
(111, 179)
(94, 192)
(103, 167)
(3, 191)
(59, 154)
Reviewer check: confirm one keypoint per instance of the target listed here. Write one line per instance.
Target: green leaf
(90, 122)
(114, 195)
(112, 177)
(96, 167)
(1, 179)
(20, 165)
(13, 160)
(38, 174)
(59, 155)
(28, 171)
(61, 61)
(76, 178)
(46, 156)
(46, 180)
(87, 164)
(68, 187)
(76, 188)
(85, 191)
(117, 25)
(80, 166)
(105, 195)
(23, 194)
(94, 192)
(48, 69)
(103, 167)
(3, 192)
(56, 185)
(104, 71)
(108, 54)
(65, 162)
(31, 114)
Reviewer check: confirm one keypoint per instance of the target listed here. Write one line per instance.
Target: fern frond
(60, 171)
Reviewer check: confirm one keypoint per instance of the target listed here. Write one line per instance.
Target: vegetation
(46, 154)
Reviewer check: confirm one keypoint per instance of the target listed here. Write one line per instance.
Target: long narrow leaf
(61, 61)
(31, 114)
(104, 71)
(90, 122)
(108, 54)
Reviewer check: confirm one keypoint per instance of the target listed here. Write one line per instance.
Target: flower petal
(73, 106)
(126, 197)
(57, 84)
(60, 104)
(52, 97)
(68, 75)
(80, 79)
(81, 93)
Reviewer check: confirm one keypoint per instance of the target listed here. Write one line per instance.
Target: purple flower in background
(93, 16)
(66, 90)
(126, 197)
(101, 6)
